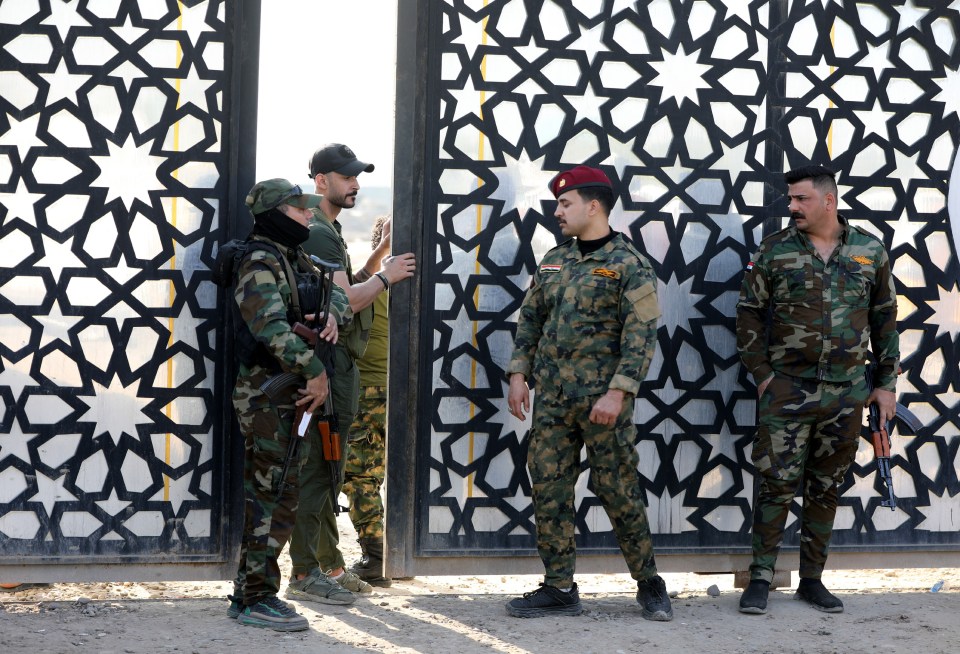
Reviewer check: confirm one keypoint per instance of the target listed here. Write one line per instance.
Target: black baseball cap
(337, 158)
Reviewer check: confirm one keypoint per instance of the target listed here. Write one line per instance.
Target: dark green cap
(274, 192)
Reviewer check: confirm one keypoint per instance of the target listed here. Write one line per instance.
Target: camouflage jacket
(824, 317)
(263, 295)
(326, 241)
(588, 323)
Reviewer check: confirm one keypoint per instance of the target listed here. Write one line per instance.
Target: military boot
(370, 566)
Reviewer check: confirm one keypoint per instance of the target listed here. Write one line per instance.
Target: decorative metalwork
(112, 171)
(693, 108)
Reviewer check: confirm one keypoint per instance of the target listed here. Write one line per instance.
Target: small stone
(713, 591)
(673, 593)
(83, 600)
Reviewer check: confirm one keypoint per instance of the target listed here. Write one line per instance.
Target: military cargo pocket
(792, 286)
(854, 288)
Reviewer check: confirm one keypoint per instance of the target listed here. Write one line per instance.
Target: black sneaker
(546, 600)
(236, 606)
(653, 599)
(813, 592)
(754, 598)
(273, 613)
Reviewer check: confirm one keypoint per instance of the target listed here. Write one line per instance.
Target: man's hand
(763, 385)
(399, 267)
(315, 393)
(518, 396)
(607, 408)
(886, 402)
(330, 332)
(384, 243)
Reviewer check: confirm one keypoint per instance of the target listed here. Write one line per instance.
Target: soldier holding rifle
(271, 278)
(816, 301)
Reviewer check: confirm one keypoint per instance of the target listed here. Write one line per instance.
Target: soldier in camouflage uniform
(366, 452)
(263, 294)
(318, 566)
(816, 300)
(586, 334)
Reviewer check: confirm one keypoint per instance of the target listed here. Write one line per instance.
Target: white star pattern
(64, 84)
(949, 93)
(16, 375)
(20, 204)
(56, 326)
(63, 15)
(115, 409)
(946, 312)
(680, 75)
(522, 184)
(129, 172)
(22, 134)
(50, 491)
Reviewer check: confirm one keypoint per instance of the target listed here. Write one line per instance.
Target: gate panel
(118, 161)
(692, 108)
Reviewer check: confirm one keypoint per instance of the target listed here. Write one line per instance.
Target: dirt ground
(886, 611)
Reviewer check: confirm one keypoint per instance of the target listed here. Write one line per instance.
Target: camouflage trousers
(807, 433)
(364, 471)
(267, 521)
(561, 429)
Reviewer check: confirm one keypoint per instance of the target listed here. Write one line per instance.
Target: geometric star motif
(192, 89)
(64, 84)
(910, 16)
(468, 100)
(116, 409)
(905, 230)
(680, 303)
(473, 33)
(16, 376)
(63, 15)
(946, 312)
(129, 172)
(943, 514)
(875, 121)
(193, 21)
(587, 106)
(521, 183)
(113, 505)
(949, 93)
(22, 134)
(56, 326)
(176, 491)
(680, 75)
(57, 256)
(621, 155)
(15, 443)
(50, 491)
(20, 203)
(591, 42)
(722, 444)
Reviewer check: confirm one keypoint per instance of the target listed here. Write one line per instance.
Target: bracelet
(383, 280)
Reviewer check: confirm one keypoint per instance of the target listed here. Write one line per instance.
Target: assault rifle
(328, 424)
(280, 389)
(880, 437)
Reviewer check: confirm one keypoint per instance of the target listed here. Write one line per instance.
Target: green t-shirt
(326, 242)
(373, 363)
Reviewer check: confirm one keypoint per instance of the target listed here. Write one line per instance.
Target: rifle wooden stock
(308, 334)
(880, 435)
(330, 438)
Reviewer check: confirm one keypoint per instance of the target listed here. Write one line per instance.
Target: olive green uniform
(809, 326)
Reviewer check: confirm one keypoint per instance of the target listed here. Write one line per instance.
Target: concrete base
(781, 579)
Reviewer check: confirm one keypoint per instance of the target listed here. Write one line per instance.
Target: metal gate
(692, 108)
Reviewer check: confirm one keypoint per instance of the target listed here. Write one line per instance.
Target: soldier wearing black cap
(318, 566)
(586, 334)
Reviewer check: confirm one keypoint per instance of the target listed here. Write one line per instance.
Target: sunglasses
(292, 193)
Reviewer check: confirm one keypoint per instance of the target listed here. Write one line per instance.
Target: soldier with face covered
(266, 345)
(817, 300)
(586, 334)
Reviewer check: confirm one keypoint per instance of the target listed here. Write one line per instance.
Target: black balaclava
(279, 227)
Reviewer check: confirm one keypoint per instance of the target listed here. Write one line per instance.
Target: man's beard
(345, 202)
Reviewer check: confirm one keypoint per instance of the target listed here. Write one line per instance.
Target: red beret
(579, 177)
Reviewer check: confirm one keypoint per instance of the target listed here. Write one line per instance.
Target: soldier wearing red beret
(585, 337)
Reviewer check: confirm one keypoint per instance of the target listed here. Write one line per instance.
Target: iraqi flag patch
(749, 266)
(550, 267)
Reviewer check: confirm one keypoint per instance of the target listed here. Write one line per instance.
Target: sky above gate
(327, 74)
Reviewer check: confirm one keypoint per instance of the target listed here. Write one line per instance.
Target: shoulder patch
(750, 266)
(550, 267)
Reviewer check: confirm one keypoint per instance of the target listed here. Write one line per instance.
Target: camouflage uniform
(366, 451)
(824, 318)
(587, 325)
(263, 295)
(314, 544)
